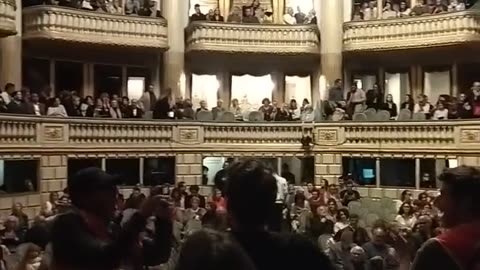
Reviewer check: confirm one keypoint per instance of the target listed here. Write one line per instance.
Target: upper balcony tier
(27, 134)
(447, 29)
(93, 28)
(253, 38)
(7, 18)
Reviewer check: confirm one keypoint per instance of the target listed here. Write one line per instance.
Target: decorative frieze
(7, 18)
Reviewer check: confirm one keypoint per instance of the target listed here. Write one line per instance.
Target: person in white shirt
(343, 217)
(57, 109)
(406, 217)
(289, 17)
(275, 223)
(388, 11)
(7, 91)
(404, 10)
(422, 106)
(294, 110)
(369, 10)
(440, 113)
(456, 5)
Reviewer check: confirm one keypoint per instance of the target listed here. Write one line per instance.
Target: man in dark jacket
(17, 106)
(81, 239)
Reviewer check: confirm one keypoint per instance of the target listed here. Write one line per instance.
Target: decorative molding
(413, 32)
(253, 38)
(7, 18)
(328, 136)
(76, 25)
(53, 133)
(470, 135)
(189, 135)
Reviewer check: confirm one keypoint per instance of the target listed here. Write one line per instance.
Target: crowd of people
(465, 106)
(91, 226)
(254, 13)
(368, 10)
(148, 8)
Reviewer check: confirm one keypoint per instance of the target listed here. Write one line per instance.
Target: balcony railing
(7, 18)
(77, 134)
(414, 32)
(253, 38)
(73, 25)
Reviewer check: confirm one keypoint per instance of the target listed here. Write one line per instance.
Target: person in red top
(459, 247)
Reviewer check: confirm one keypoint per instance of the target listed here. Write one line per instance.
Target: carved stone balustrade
(74, 25)
(413, 32)
(86, 135)
(253, 38)
(7, 18)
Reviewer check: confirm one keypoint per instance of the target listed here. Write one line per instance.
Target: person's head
(176, 195)
(423, 197)
(290, 11)
(17, 208)
(349, 186)
(56, 102)
(310, 187)
(378, 235)
(315, 194)
(346, 237)
(125, 101)
(338, 83)
(9, 88)
(324, 183)
(333, 189)
(408, 98)
(354, 87)
(76, 101)
(94, 191)
(53, 197)
(182, 187)
(440, 106)
(322, 211)
(203, 104)
(425, 177)
(358, 254)
(476, 86)
(299, 199)
(219, 103)
(266, 102)
(218, 193)
(234, 102)
(195, 202)
(388, 6)
(293, 103)
(194, 189)
(459, 200)
(332, 205)
(407, 196)
(423, 224)
(252, 178)
(17, 95)
(208, 249)
(34, 98)
(422, 98)
(187, 103)
(114, 103)
(211, 12)
(255, 3)
(305, 102)
(197, 8)
(406, 209)
(389, 98)
(354, 218)
(365, 5)
(237, 11)
(462, 97)
(403, 6)
(285, 167)
(343, 215)
(11, 223)
(204, 170)
(248, 12)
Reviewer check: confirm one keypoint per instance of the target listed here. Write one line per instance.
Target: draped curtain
(397, 85)
(205, 5)
(298, 88)
(204, 87)
(251, 90)
(436, 83)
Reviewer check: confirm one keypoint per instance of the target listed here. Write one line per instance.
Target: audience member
(218, 110)
(216, 16)
(356, 100)
(16, 105)
(299, 16)
(423, 106)
(311, 17)
(374, 98)
(7, 92)
(164, 106)
(57, 109)
(339, 253)
(377, 248)
(294, 111)
(408, 103)
(360, 235)
(236, 110)
(369, 10)
(35, 107)
(390, 106)
(406, 217)
(440, 112)
(349, 194)
(235, 16)
(210, 15)
(198, 15)
(342, 220)
(267, 109)
(249, 16)
(289, 17)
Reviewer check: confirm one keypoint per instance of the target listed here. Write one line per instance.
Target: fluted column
(224, 6)
(176, 13)
(11, 54)
(331, 30)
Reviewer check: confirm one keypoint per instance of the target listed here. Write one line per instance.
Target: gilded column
(11, 54)
(224, 6)
(176, 13)
(379, 8)
(278, 7)
(331, 30)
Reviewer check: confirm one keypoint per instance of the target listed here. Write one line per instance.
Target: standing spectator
(311, 17)
(217, 17)
(356, 100)
(390, 106)
(35, 107)
(266, 109)
(275, 223)
(299, 16)
(148, 100)
(349, 194)
(7, 92)
(218, 110)
(294, 110)
(374, 97)
(287, 174)
(16, 105)
(235, 16)
(316, 200)
(289, 17)
(457, 248)
(441, 112)
(377, 248)
(464, 108)
(335, 94)
(164, 106)
(339, 253)
(408, 103)
(134, 110)
(221, 176)
(198, 15)
(57, 109)
(250, 214)
(17, 211)
(249, 16)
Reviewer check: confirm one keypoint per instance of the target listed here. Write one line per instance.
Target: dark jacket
(392, 110)
(75, 246)
(162, 108)
(130, 114)
(433, 256)
(74, 111)
(31, 110)
(17, 108)
(198, 17)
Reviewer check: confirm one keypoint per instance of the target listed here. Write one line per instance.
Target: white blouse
(406, 222)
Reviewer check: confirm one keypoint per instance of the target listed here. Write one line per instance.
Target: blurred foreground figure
(459, 247)
(83, 239)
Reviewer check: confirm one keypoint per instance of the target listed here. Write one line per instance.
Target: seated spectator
(115, 111)
(283, 113)
(216, 16)
(218, 110)
(29, 256)
(164, 107)
(406, 217)
(16, 105)
(369, 10)
(294, 111)
(3, 106)
(388, 11)
(74, 107)
(299, 16)
(188, 109)
(266, 109)
(236, 110)
(203, 107)
(423, 106)
(355, 100)
(441, 112)
(134, 110)
(7, 93)
(342, 220)
(35, 107)
(57, 109)
(262, 18)
(404, 10)
(249, 16)
(198, 15)
(339, 253)
(124, 105)
(464, 108)
(360, 235)
(374, 97)
(235, 16)
(9, 235)
(349, 194)
(311, 17)
(194, 192)
(456, 5)
(289, 17)
(209, 15)
(408, 103)
(377, 248)
(320, 223)
(17, 211)
(440, 7)
(390, 106)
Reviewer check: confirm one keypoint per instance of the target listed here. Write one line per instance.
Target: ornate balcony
(414, 32)
(73, 25)
(7, 18)
(253, 38)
